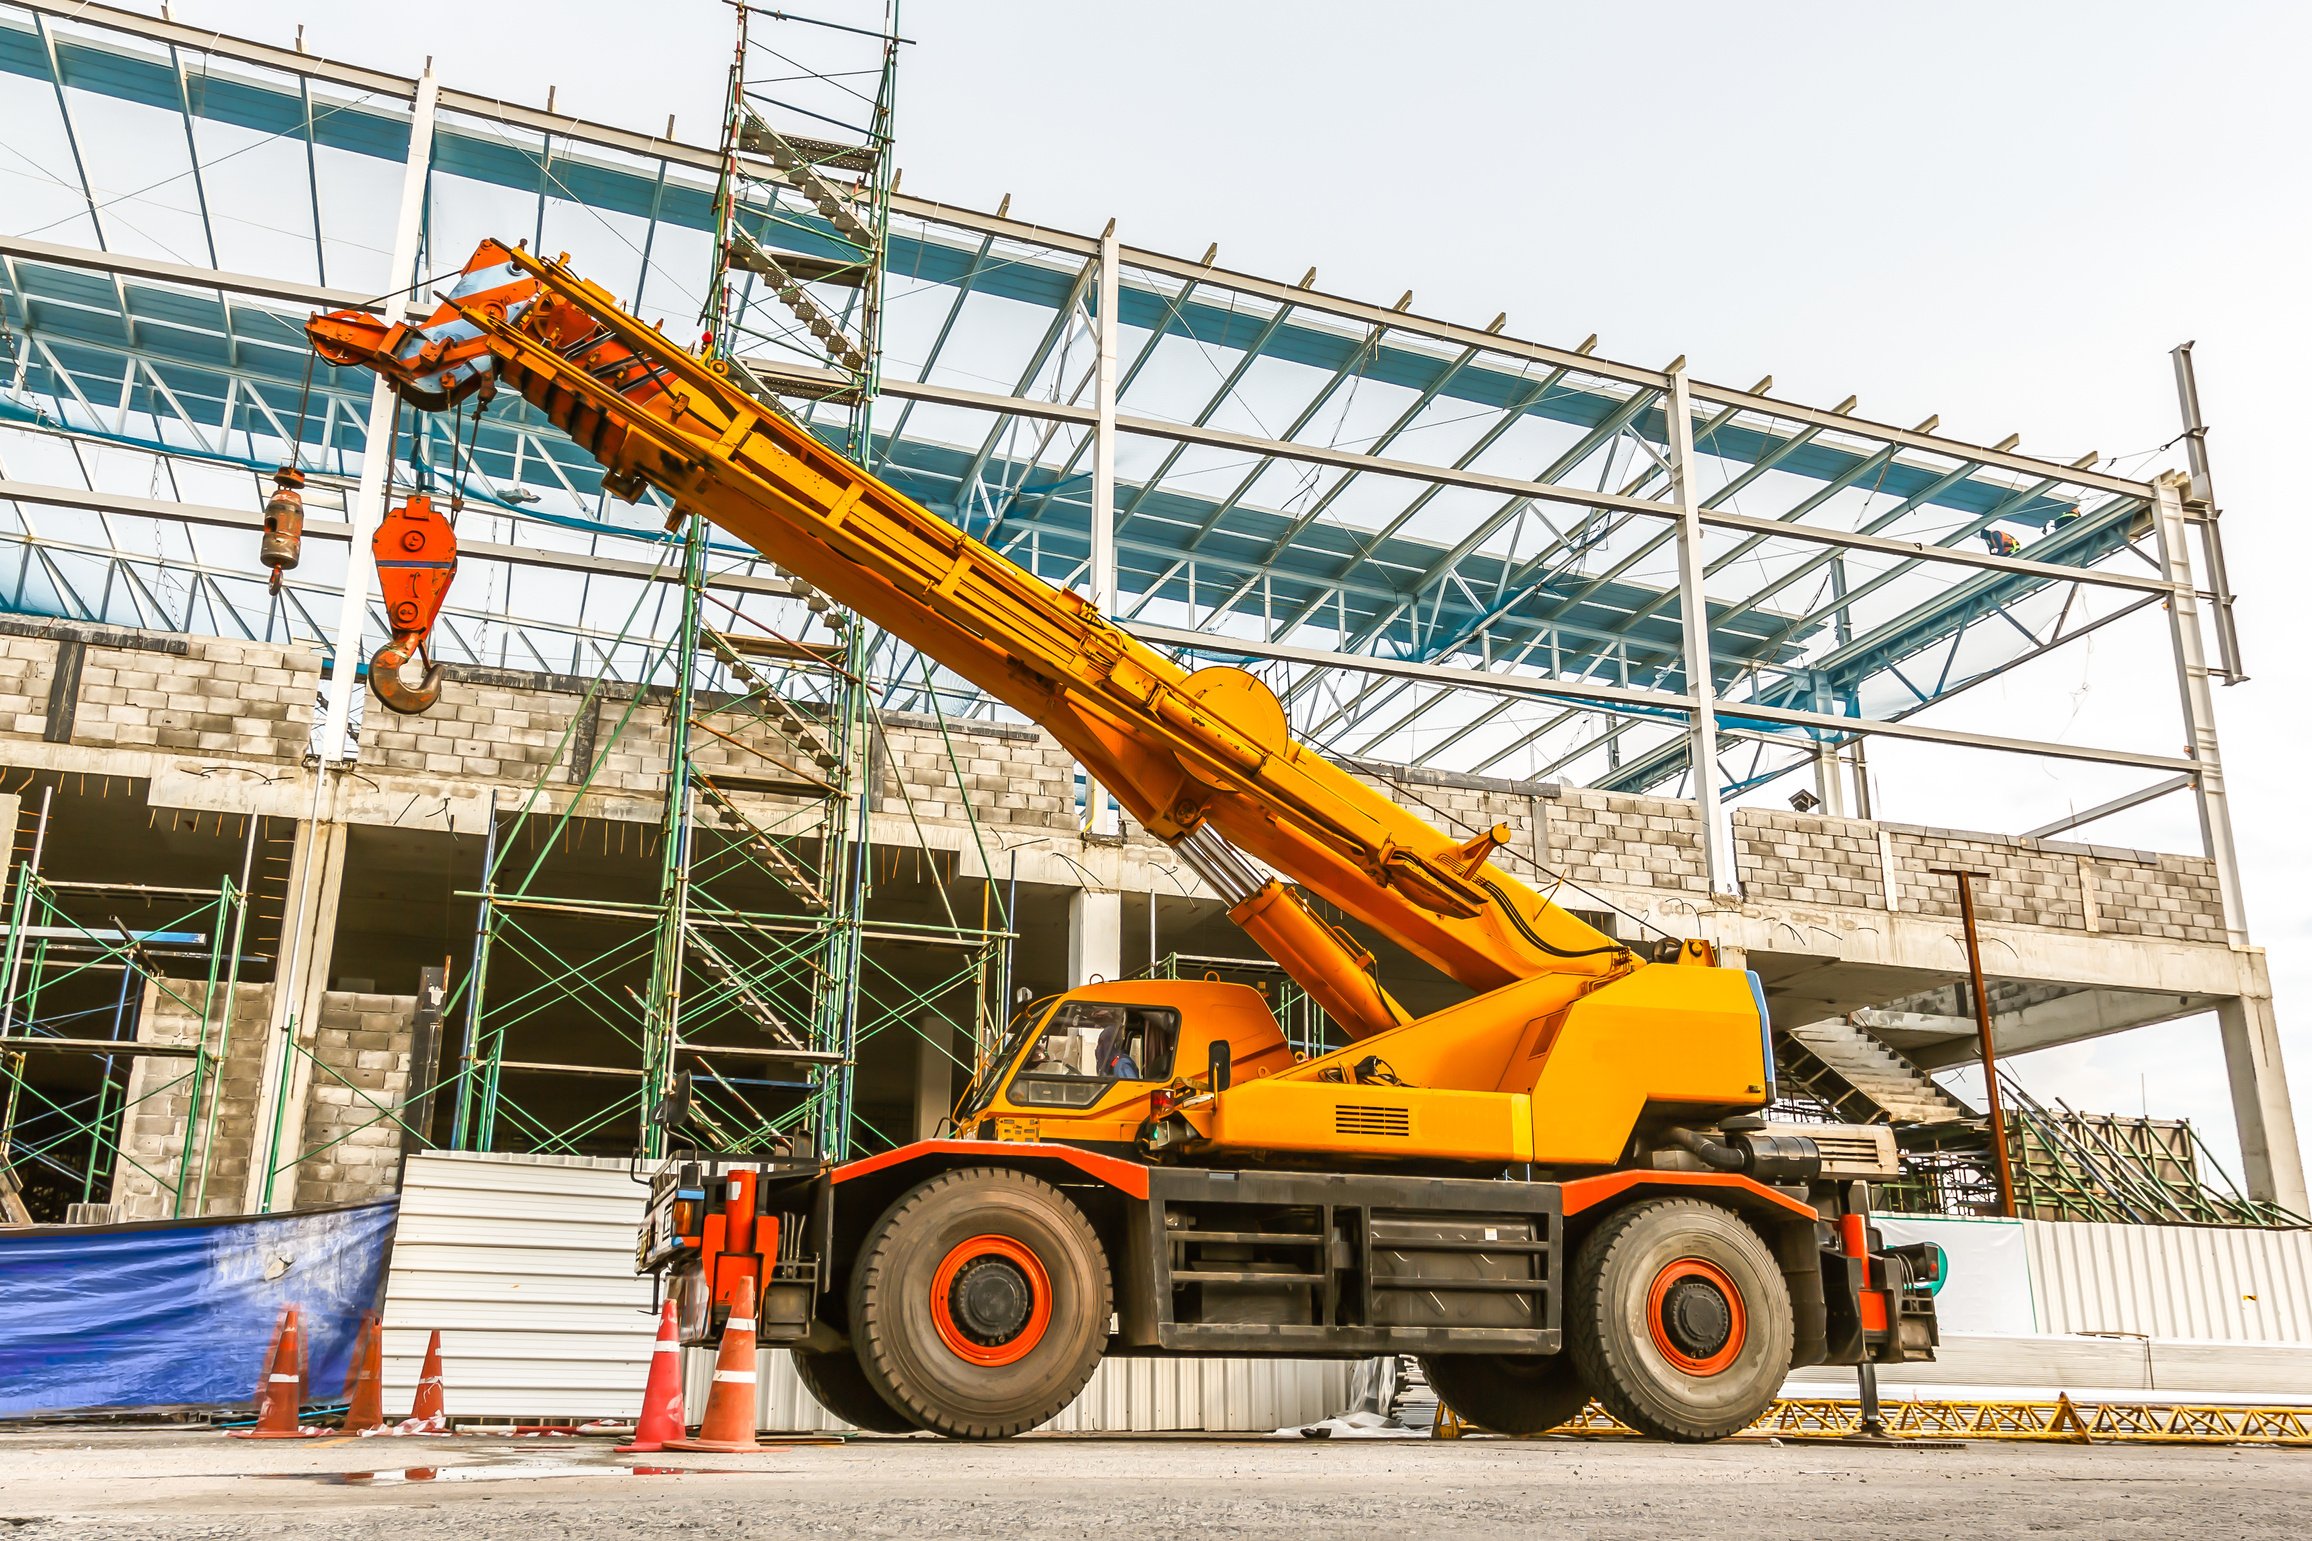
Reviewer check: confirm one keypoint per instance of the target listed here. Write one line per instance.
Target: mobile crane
(1556, 1188)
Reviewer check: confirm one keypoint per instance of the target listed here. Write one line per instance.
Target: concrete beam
(1939, 1042)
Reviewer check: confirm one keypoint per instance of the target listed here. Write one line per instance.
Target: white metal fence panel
(2211, 1283)
(526, 1266)
(1140, 1396)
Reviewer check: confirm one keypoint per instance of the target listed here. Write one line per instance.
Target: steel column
(1694, 610)
(2199, 705)
(368, 506)
(1099, 817)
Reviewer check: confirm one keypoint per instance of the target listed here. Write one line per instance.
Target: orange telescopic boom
(1203, 760)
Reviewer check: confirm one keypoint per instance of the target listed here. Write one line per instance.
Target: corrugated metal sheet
(2214, 1283)
(1141, 1396)
(526, 1264)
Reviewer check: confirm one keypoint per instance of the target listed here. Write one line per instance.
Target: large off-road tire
(980, 1303)
(1679, 1320)
(836, 1383)
(1508, 1393)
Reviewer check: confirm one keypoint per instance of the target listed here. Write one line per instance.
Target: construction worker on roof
(2001, 542)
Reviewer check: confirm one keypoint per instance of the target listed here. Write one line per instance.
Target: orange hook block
(417, 556)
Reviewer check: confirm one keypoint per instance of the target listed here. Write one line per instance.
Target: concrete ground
(175, 1483)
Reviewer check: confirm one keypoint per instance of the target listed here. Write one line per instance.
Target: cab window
(1085, 1047)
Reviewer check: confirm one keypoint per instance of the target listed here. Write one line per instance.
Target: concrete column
(934, 1073)
(308, 938)
(2260, 1104)
(1693, 605)
(1095, 935)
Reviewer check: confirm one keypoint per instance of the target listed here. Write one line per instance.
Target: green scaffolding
(731, 1003)
(183, 951)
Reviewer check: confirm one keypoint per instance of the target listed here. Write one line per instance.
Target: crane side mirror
(1217, 1061)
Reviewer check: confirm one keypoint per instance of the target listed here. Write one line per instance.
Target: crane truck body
(1557, 1187)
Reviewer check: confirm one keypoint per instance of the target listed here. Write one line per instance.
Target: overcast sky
(2002, 213)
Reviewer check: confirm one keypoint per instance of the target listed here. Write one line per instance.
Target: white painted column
(1717, 833)
(2261, 1107)
(1095, 935)
(934, 1073)
(1099, 818)
(2175, 559)
(308, 938)
(368, 506)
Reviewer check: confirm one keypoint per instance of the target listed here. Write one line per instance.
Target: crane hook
(417, 557)
(392, 691)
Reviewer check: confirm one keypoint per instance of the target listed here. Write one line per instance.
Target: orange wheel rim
(992, 1343)
(1694, 1315)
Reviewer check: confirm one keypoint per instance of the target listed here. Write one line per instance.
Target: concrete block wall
(246, 700)
(152, 1127)
(1796, 858)
(1810, 859)
(1014, 776)
(362, 1045)
(362, 1048)
(2153, 893)
(27, 664)
(495, 725)
(2021, 884)
(1619, 840)
(481, 730)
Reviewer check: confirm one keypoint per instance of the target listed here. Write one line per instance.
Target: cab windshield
(1085, 1047)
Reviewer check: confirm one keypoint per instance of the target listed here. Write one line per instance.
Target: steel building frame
(1444, 545)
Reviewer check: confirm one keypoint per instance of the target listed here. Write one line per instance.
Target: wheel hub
(990, 1299)
(1696, 1317)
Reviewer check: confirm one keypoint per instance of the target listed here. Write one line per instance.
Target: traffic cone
(365, 1380)
(661, 1418)
(425, 1409)
(729, 1424)
(282, 1388)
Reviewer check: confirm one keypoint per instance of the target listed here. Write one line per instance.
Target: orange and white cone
(365, 1380)
(425, 1412)
(661, 1418)
(729, 1424)
(282, 1389)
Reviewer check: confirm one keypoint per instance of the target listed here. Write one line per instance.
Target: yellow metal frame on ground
(2061, 1421)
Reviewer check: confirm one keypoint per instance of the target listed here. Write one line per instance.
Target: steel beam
(2120, 804)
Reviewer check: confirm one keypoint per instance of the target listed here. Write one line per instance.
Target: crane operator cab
(1092, 1067)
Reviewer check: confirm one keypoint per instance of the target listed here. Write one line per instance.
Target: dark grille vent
(1396, 1122)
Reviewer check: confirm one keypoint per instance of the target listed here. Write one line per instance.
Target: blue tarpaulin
(178, 1313)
